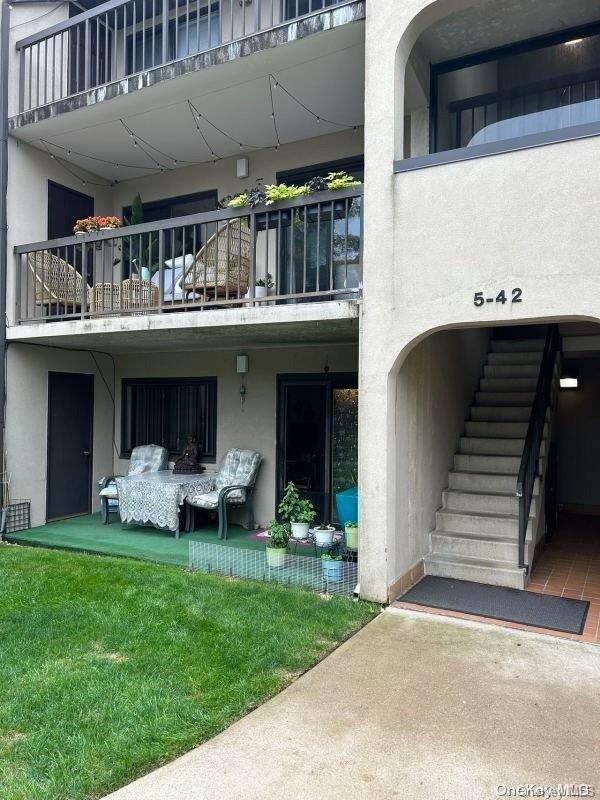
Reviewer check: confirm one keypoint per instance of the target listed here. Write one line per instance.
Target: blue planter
(346, 503)
(332, 570)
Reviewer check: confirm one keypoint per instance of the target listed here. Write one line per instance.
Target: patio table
(155, 497)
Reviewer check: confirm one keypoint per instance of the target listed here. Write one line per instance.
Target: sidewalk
(414, 706)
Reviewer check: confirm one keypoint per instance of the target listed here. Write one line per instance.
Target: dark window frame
(209, 452)
(301, 175)
(506, 145)
(152, 205)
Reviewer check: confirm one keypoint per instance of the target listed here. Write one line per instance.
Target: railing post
(252, 257)
(18, 287)
(165, 31)
(87, 56)
(161, 270)
(22, 80)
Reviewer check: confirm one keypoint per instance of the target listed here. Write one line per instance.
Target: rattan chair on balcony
(221, 266)
(57, 283)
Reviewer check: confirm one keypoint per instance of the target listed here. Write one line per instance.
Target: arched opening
(465, 403)
(494, 72)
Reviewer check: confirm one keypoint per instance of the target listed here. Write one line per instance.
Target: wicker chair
(56, 282)
(138, 293)
(222, 265)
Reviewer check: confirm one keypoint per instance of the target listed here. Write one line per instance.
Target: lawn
(110, 666)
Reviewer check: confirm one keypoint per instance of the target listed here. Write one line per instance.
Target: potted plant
(332, 567)
(303, 515)
(263, 285)
(324, 535)
(277, 544)
(298, 513)
(351, 531)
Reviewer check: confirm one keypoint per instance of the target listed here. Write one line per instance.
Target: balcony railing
(123, 37)
(301, 250)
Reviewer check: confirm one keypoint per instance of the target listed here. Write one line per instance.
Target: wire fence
(329, 577)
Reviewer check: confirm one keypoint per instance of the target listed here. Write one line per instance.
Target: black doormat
(500, 602)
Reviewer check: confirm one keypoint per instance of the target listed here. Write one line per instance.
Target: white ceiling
(325, 72)
(497, 22)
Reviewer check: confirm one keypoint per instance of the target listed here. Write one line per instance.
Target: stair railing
(533, 440)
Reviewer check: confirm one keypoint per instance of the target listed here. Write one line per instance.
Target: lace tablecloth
(155, 497)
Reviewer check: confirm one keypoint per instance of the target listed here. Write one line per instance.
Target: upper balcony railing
(120, 38)
(300, 250)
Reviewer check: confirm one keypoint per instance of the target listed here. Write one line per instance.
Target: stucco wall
(221, 176)
(524, 219)
(253, 424)
(435, 387)
(27, 418)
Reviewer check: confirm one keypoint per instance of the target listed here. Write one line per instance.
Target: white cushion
(179, 262)
(110, 491)
(210, 500)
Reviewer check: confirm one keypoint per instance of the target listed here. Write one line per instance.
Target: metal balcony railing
(306, 249)
(120, 38)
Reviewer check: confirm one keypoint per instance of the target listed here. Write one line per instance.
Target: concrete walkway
(414, 706)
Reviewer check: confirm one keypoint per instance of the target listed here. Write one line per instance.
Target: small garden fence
(305, 571)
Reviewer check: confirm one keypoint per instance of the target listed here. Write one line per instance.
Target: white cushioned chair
(233, 486)
(145, 458)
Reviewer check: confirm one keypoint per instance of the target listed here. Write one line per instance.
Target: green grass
(110, 666)
(90, 535)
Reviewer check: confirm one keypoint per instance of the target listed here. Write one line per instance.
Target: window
(297, 8)
(166, 411)
(189, 32)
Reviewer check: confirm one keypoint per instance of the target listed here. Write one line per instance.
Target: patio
(87, 534)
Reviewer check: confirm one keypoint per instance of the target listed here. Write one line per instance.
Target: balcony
(121, 39)
(298, 251)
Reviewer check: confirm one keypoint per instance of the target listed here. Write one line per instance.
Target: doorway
(65, 207)
(70, 437)
(317, 437)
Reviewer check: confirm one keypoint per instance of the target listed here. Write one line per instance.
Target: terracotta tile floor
(569, 566)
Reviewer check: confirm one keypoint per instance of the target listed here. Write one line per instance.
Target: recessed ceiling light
(569, 383)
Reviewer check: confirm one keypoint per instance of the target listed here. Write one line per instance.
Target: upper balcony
(123, 46)
(294, 252)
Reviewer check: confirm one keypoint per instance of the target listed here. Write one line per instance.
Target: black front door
(317, 441)
(70, 435)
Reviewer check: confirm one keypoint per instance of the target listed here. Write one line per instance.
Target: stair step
(485, 398)
(517, 345)
(496, 573)
(498, 465)
(511, 371)
(493, 446)
(506, 525)
(507, 384)
(515, 358)
(483, 502)
(500, 430)
(485, 482)
(496, 548)
(500, 413)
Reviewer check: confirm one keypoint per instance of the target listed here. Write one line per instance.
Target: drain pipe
(4, 62)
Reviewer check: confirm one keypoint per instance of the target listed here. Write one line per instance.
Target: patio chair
(56, 282)
(145, 458)
(221, 266)
(233, 486)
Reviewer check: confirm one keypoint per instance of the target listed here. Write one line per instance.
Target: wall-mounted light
(569, 379)
(573, 41)
(242, 168)
(242, 365)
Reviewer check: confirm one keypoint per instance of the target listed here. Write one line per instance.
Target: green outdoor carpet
(88, 534)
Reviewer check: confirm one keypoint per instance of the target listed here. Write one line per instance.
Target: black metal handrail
(533, 440)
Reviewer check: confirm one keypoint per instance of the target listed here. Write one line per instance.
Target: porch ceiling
(325, 71)
(333, 322)
(491, 24)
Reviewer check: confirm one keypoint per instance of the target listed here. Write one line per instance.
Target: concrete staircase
(477, 527)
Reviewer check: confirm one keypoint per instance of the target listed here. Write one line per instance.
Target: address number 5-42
(479, 298)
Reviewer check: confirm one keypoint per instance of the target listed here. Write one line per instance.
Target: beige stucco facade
(433, 237)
